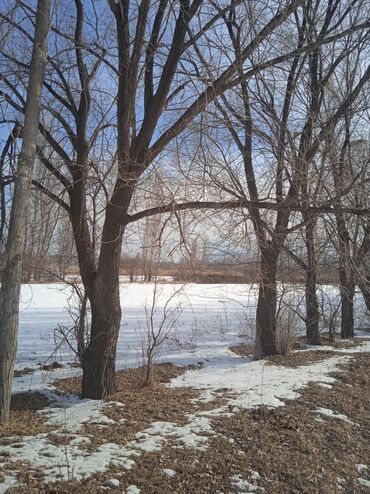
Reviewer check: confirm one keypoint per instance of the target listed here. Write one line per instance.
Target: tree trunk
(267, 304)
(99, 358)
(364, 287)
(312, 306)
(348, 322)
(81, 325)
(346, 279)
(11, 282)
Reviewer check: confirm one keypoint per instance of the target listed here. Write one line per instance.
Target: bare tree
(137, 147)
(111, 143)
(10, 287)
(293, 147)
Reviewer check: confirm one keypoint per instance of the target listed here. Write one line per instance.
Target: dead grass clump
(29, 401)
(23, 423)
(24, 419)
(243, 350)
(23, 372)
(300, 358)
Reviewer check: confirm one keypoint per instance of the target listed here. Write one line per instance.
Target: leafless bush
(75, 335)
(330, 312)
(289, 316)
(158, 327)
(287, 321)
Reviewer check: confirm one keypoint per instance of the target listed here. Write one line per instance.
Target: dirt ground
(287, 450)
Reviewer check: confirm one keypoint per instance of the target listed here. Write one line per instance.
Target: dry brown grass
(337, 343)
(142, 404)
(243, 350)
(24, 419)
(23, 372)
(294, 449)
(294, 360)
(300, 358)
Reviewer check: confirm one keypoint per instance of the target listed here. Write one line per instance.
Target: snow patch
(364, 482)
(335, 415)
(192, 435)
(133, 489)
(169, 472)
(325, 385)
(243, 486)
(71, 413)
(8, 481)
(73, 462)
(256, 383)
(67, 462)
(112, 483)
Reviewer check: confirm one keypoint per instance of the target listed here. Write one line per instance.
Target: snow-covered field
(205, 320)
(208, 319)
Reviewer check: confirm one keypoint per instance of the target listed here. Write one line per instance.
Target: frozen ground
(208, 319)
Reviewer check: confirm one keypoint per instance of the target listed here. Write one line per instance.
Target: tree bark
(364, 287)
(347, 293)
(98, 360)
(267, 304)
(81, 325)
(312, 306)
(346, 279)
(11, 283)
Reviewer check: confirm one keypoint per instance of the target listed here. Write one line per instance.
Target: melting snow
(243, 486)
(335, 415)
(212, 320)
(361, 467)
(169, 472)
(133, 489)
(364, 482)
(256, 383)
(71, 413)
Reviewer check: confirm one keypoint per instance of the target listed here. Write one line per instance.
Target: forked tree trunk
(99, 357)
(312, 306)
(267, 304)
(11, 282)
